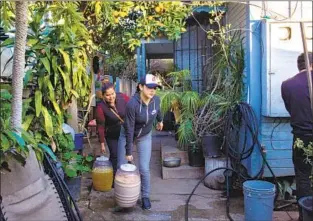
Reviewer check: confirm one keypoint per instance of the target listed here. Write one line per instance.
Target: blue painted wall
(275, 133)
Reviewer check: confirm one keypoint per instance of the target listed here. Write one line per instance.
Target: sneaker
(146, 205)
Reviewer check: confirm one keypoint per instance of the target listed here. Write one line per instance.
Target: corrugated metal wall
(237, 16)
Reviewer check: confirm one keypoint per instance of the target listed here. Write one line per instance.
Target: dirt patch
(286, 205)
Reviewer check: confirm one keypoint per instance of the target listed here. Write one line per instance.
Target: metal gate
(193, 50)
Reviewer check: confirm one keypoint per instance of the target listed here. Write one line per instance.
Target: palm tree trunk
(19, 63)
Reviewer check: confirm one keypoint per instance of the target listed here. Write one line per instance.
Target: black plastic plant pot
(195, 157)
(74, 185)
(306, 205)
(169, 121)
(211, 145)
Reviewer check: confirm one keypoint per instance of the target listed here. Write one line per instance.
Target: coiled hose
(241, 130)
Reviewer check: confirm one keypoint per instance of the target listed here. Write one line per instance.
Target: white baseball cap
(150, 81)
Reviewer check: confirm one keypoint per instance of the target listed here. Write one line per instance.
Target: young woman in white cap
(141, 112)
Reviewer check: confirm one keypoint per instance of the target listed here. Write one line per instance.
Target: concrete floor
(168, 198)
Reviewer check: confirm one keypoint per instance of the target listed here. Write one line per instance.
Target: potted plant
(74, 165)
(208, 124)
(225, 87)
(195, 154)
(306, 202)
(179, 98)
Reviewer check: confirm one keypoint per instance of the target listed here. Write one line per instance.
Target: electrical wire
(286, 18)
(241, 122)
(272, 133)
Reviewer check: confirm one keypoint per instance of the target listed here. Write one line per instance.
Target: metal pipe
(197, 56)
(189, 65)
(138, 63)
(289, 9)
(181, 52)
(307, 65)
(143, 61)
(308, 71)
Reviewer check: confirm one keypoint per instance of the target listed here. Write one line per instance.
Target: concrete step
(173, 151)
(184, 171)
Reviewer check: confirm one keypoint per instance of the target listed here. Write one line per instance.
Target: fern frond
(190, 101)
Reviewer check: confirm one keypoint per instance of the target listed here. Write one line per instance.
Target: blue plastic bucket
(258, 200)
(79, 141)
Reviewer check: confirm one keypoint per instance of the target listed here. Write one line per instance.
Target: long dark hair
(95, 64)
(107, 86)
(138, 88)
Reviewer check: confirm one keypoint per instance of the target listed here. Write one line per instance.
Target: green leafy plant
(179, 98)
(75, 164)
(119, 27)
(286, 188)
(64, 142)
(16, 142)
(308, 150)
(308, 153)
(225, 77)
(7, 11)
(178, 95)
(194, 147)
(56, 57)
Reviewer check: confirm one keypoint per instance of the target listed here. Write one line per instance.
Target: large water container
(215, 180)
(127, 186)
(102, 174)
(259, 200)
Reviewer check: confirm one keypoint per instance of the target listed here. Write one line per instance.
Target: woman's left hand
(159, 126)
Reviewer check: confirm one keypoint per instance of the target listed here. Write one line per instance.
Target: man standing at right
(295, 93)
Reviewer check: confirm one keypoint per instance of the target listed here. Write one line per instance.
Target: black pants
(302, 171)
(112, 144)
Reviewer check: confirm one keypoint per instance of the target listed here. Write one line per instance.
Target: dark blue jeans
(144, 148)
(112, 145)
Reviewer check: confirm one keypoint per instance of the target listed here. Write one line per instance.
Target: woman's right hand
(129, 158)
(103, 148)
